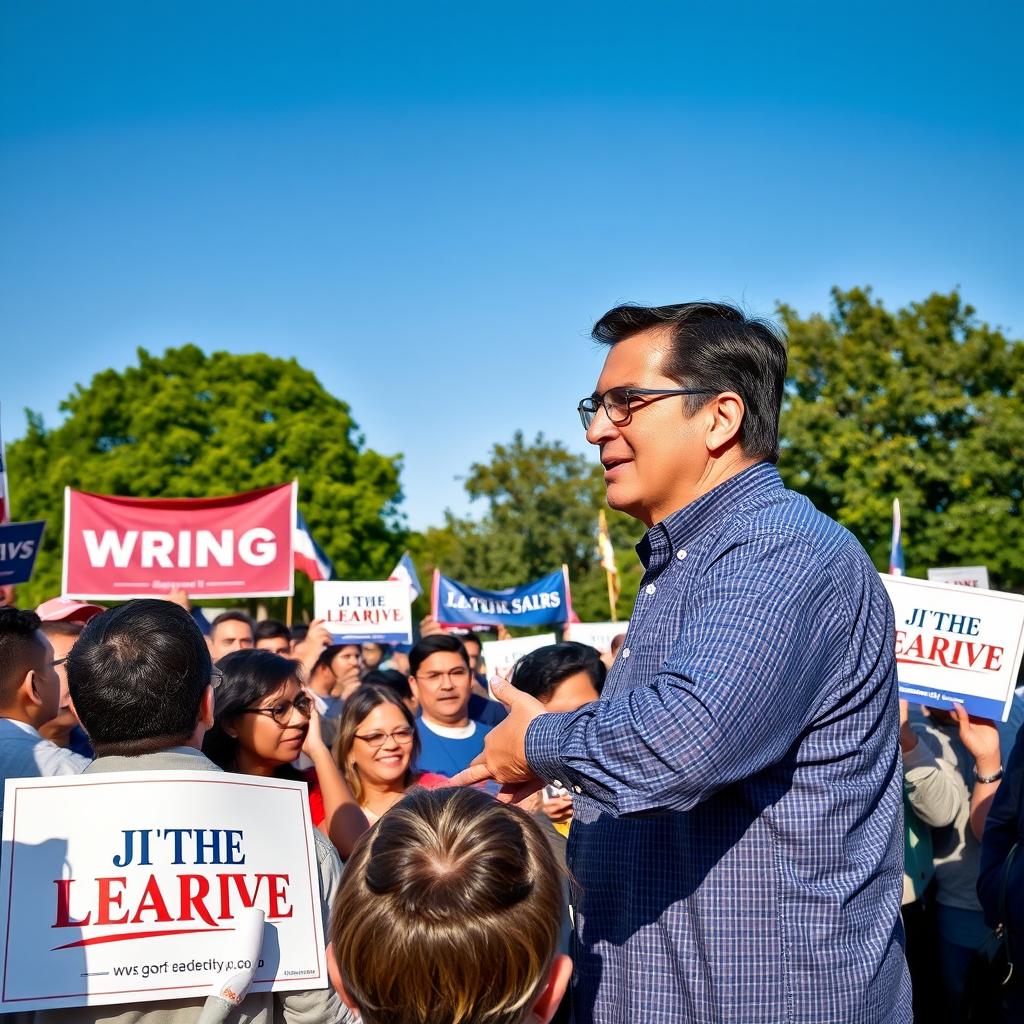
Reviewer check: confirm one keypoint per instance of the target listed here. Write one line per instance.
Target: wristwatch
(994, 777)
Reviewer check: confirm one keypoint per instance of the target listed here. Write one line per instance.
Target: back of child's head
(449, 913)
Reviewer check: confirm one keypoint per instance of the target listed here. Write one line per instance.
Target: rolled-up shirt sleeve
(749, 670)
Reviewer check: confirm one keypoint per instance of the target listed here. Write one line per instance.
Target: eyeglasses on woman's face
(375, 740)
(281, 711)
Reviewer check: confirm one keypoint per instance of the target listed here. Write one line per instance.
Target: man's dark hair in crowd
(267, 629)
(271, 635)
(432, 644)
(137, 676)
(298, 632)
(715, 347)
(391, 680)
(20, 648)
(539, 672)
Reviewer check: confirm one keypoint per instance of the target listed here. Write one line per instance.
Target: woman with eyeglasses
(263, 720)
(376, 748)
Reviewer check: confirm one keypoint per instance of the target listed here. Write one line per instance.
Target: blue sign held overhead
(543, 602)
(19, 545)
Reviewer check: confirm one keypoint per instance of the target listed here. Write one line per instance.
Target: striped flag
(406, 572)
(896, 563)
(309, 556)
(5, 501)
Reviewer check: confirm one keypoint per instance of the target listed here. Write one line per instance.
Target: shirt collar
(681, 528)
(22, 727)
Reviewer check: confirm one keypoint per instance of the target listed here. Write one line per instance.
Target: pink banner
(236, 546)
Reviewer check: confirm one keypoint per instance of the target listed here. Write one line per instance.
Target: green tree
(541, 510)
(923, 404)
(187, 424)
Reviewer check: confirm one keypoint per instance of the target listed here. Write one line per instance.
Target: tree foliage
(923, 404)
(187, 424)
(541, 510)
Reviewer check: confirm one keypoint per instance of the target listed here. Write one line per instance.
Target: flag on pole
(5, 501)
(405, 572)
(607, 553)
(309, 556)
(896, 563)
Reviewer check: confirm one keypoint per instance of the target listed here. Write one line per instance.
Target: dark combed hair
(18, 646)
(269, 629)
(137, 676)
(247, 677)
(540, 671)
(433, 644)
(233, 615)
(718, 347)
(390, 678)
(465, 894)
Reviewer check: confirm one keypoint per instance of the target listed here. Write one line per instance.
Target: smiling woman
(376, 748)
(263, 720)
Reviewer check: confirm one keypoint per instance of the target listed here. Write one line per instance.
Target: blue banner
(19, 545)
(543, 602)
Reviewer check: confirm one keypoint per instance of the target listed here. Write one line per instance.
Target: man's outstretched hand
(504, 757)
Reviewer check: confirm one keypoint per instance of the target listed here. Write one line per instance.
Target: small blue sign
(19, 545)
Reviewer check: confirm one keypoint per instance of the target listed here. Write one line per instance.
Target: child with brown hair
(449, 913)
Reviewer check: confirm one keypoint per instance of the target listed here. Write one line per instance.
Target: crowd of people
(370, 730)
(756, 829)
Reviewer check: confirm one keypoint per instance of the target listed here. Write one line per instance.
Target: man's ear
(548, 1002)
(28, 688)
(727, 412)
(206, 706)
(414, 686)
(335, 975)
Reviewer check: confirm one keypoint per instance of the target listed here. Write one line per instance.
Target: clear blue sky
(428, 204)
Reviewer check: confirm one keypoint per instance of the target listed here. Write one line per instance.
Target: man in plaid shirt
(738, 834)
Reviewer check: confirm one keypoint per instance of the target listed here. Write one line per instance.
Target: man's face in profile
(653, 460)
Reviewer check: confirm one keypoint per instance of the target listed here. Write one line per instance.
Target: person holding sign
(141, 679)
(737, 833)
(263, 720)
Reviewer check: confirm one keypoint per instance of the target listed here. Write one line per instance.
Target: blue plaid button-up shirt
(738, 832)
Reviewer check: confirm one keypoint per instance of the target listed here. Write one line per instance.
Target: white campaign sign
(377, 611)
(957, 644)
(598, 635)
(961, 575)
(501, 655)
(127, 887)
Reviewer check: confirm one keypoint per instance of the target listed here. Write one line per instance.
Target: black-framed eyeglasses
(402, 735)
(58, 661)
(618, 402)
(282, 711)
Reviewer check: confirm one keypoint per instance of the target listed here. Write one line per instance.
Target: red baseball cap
(65, 609)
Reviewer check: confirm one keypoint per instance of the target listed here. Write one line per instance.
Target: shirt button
(680, 554)
(625, 652)
(651, 588)
(577, 789)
